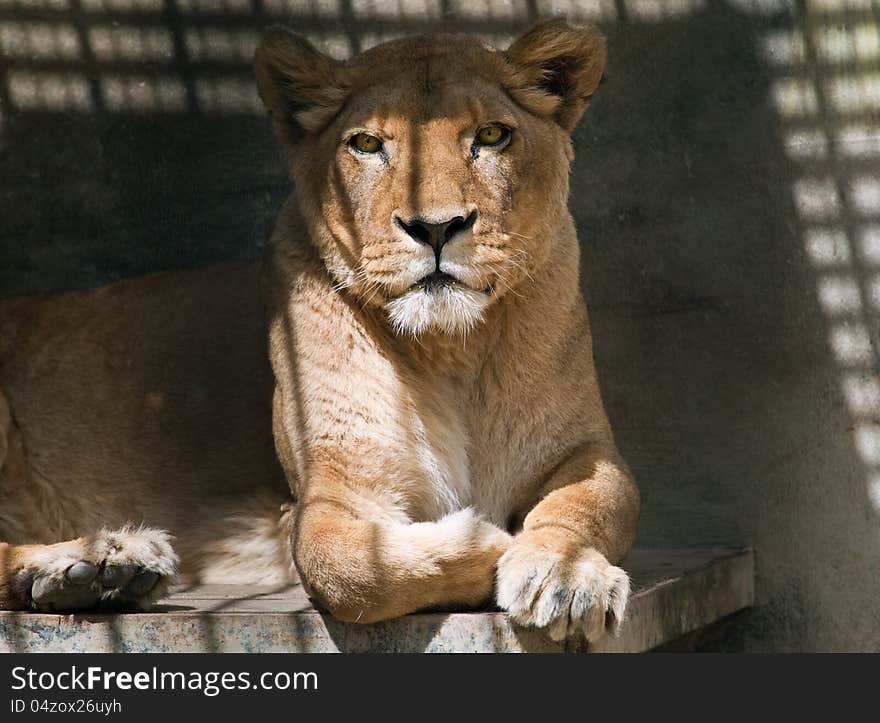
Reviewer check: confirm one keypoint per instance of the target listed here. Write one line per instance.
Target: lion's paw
(124, 569)
(584, 595)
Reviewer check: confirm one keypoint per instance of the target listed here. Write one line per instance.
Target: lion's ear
(555, 68)
(301, 87)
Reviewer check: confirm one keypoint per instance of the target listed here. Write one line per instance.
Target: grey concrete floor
(726, 193)
(675, 593)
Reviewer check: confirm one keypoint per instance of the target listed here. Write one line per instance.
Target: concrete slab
(676, 592)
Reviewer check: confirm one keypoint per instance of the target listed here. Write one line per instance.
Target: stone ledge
(676, 592)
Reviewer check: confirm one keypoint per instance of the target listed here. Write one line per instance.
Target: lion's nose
(436, 235)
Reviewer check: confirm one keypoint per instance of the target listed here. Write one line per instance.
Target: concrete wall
(726, 193)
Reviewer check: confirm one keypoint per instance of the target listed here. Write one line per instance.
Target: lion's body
(440, 423)
(147, 401)
(436, 411)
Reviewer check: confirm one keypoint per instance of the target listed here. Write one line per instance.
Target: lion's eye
(492, 135)
(365, 143)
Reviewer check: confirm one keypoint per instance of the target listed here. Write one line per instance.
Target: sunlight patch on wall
(218, 44)
(854, 93)
(868, 442)
(874, 491)
(874, 293)
(39, 41)
(131, 43)
(829, 83)
(794, 97)
(662, 9)
(35, 4)
(229, 7)
(848, 44)
(859, 141)
(228, 95)
(319, 9)
(120, 6)
(499, 10)
(864, 195)
(851, 344)
(579, 10)
(54, 92)
(504, 11)
(839, 295)
(763, 7)
(807, 144)
(147, 95)
(862, 394)
(817, 198)
(869, 244)
(827, 247)
(785, 48)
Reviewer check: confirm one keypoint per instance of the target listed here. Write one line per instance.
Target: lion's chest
(485, 441)
(439, 450)
(467, 460)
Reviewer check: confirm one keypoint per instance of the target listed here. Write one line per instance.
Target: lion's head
(432, 171)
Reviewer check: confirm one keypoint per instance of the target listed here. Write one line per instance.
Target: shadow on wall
(727, 199)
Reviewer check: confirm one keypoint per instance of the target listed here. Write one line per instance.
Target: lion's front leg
(559, 573)
(128, 568)
(364, 565)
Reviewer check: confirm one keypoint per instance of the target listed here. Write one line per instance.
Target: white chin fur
(448, 309)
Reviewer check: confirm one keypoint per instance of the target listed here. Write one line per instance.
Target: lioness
(436, 411)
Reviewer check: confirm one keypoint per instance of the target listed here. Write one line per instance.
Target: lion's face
(432, 198)
(432, 171)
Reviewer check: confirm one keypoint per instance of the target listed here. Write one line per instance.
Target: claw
(584, 597)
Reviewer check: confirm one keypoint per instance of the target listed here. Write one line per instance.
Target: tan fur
(145, 402)
(415, 447)
(440, 442)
